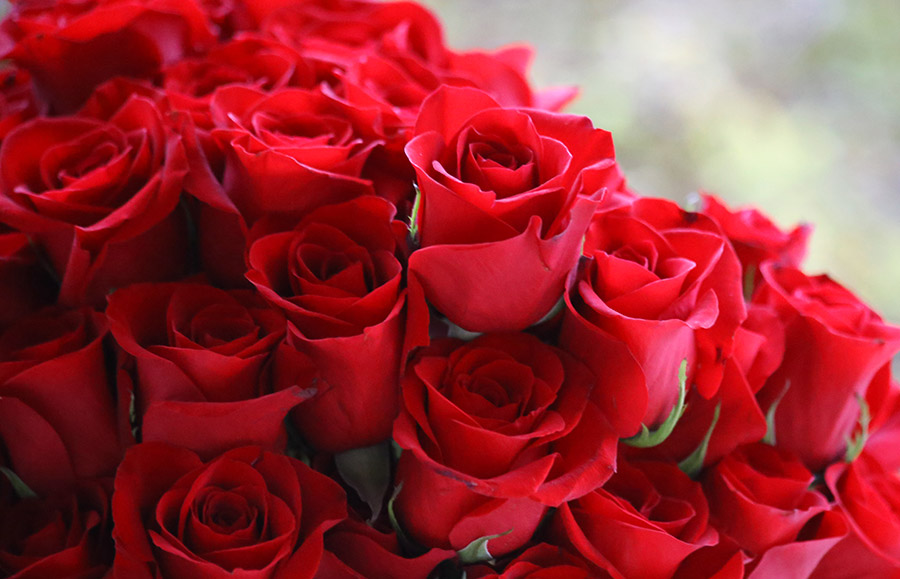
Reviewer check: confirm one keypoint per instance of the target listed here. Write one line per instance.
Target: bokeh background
(793, 107)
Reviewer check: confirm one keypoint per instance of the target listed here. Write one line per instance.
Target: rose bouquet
(291, 289)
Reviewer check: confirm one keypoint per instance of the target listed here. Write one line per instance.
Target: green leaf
(647, 439)
(477, 550)
(749, 282)
(856, 444)
(21, 489)
(769, 438)
(368, 471)
(693, 464)
(414, 218)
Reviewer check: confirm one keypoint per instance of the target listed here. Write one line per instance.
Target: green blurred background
(790, 106)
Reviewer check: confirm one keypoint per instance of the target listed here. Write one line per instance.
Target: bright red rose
(541, 561)
(662, 286)
(338, 279)
(291, 151)
(835, 346)
(505, 201)
(643, 523)
(71, 47)
(355, 550)
(760, 497)
(57, 417)
(25, 285)
(246, 513)
(869, 496)
(498, 428)
(756, 239)
(99, 197)
(63, 535)
(202, 365)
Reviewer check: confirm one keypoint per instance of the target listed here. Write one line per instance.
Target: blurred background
(793, 107)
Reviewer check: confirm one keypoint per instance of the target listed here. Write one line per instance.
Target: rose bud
(835, 346)
(338, 279)
(58, 422)
(506, 196)
(662, 286)
(645, 508)
(99, 197)
(494, 431)
(246, 512)
(202, 365)
(72, 47)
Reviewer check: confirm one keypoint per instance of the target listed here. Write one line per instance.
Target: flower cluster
(288, 288)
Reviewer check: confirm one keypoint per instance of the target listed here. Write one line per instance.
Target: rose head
(99, 197)
(201, 364)
(511, 188)
(247, 512)
(645, 508)
(58, 422)
(65, 535)
(498, 428)
(338, 279)
(662, 286)
(835, 346)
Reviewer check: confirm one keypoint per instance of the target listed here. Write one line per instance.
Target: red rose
(662, 286)
(57, 417)
(504, 195)
(869, 496)
(99, 197)
(247, 512)
(338, 279)
(643, 523)
(355, 550)
(541, 561)
(71, 47)
(835, 345)
(760, 497)
(291, 151)
(64, 535)
(498, 428)
(25, 286)
(756, 239)
(202, 365)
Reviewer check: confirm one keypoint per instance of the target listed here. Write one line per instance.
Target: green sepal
(414, 218)
(856, 444)
(477, 550)
(409, 547)
(693, 464)
(647, 439)
(749, 282)
(769, 438)
(368, 471)
(19, 487)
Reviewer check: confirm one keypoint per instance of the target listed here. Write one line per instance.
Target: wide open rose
(643, 523)
(662, 285)
(71, 47)
(57, 416)
(338, 279)
(99, 197)
(246, 513)
(505, 201)
(835, 346)
(498, 428)
(202, 360)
